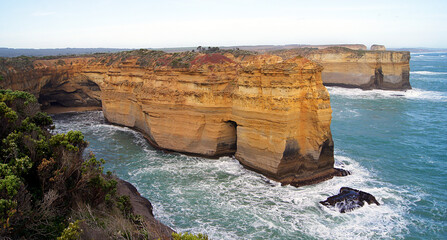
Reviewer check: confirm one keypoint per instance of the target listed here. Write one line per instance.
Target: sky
(190, 23)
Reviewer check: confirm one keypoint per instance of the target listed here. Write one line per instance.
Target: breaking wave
(413, 94)
(428, 73)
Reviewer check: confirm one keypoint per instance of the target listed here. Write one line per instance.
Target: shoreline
(289, 180)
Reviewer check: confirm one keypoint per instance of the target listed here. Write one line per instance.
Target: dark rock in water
(349, 199)
(341, 172)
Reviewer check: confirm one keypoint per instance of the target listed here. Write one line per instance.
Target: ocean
(394, 144)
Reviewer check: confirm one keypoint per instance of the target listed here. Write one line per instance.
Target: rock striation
(272, 114)
(380, 69)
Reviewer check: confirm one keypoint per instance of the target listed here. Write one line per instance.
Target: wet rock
(341, 172)
(349, 199)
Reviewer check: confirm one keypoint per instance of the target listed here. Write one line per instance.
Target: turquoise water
(394, 143)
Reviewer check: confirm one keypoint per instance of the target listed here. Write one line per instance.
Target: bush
(44, 181)
(42, 175)
(189, 236)
(72, 232)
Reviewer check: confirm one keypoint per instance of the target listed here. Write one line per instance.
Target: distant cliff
(388, 70)
(274, 115)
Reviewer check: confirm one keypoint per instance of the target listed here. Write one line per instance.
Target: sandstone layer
(387, 70)
(272, 114)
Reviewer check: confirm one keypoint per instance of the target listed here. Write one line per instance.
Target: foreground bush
(47, 190)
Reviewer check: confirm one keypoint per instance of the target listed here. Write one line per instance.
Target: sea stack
(273, 115)
(344, 67)
(376, 47)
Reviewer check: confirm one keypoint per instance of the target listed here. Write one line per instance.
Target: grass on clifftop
(145, 58)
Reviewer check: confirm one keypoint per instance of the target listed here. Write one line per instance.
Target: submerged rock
(349, 199)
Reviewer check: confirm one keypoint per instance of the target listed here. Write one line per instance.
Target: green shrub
(43, 178)
(189, 236)
(72, 141)
(123, 204)
(72, 232)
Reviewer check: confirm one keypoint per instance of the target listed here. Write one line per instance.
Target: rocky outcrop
(272, 114)
(140, 206)
(349, 199)
(376, 47)
(388, 70)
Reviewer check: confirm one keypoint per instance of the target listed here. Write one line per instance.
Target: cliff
(274, 115)
(388, 70)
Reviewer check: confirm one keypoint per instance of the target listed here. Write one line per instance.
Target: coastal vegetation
(47, 190)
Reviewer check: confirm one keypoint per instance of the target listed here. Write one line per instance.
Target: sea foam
(428, 73)
(241, 204)
(415, 94)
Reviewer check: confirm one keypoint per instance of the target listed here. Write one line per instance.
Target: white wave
(414, 94)
(428, 73)
(422, 53)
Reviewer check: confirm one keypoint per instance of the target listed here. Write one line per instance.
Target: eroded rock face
(273, 115)
(53, 82)
(349, 199)
(388, 70)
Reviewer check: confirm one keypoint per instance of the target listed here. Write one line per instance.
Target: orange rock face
(273, 115)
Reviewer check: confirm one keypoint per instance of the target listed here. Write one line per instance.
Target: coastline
(292, 180)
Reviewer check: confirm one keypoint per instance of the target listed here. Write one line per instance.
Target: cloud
(42, 14)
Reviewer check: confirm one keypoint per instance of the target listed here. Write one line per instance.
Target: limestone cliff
(388, 70)
(54, 82)
(274, 115)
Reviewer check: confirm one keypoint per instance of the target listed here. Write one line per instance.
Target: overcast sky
(176, 23)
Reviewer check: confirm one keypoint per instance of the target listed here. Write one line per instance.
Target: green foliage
(189, 236)
(72, 141)
(9, 96)
(123, 204)
(72, 232)
(33, 166)
(104, 185)
(7, 112)
(43, 177)
(42, 119)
